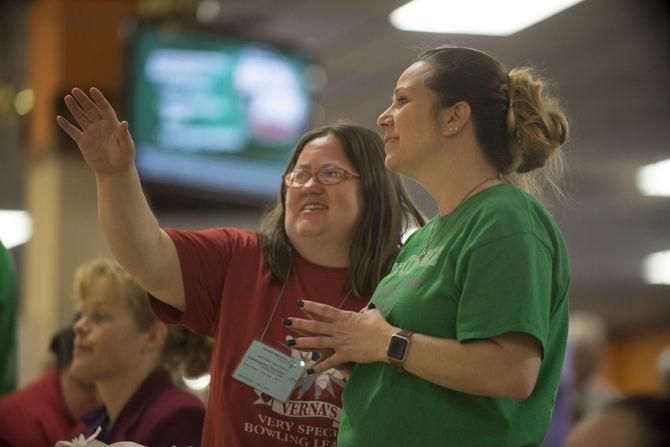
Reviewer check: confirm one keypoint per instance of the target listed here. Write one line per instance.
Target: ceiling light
(656, 268)
(487, 17)
(16, 227)
(654, 179)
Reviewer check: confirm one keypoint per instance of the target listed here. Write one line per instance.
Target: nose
(385, 119)
(79, 326)
(311, 184)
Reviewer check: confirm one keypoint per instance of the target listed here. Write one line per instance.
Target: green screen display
(214, 113)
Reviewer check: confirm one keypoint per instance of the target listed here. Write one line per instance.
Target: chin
(391, 163)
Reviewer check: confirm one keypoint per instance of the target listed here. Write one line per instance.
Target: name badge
(268, 370)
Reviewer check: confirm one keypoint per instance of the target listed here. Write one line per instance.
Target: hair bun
(536, 122)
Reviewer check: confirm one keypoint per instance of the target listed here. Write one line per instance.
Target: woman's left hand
(360, 337)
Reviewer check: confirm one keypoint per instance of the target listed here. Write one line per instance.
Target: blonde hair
(537, 127)
(184, 351)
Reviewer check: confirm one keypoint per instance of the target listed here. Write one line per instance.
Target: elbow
(520, 384)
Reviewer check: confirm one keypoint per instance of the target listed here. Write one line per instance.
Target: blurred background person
(635, 421)
(8, 309)
(588, 338)
(127, 353)
(663, 371)
(561, 417)
(47, 410)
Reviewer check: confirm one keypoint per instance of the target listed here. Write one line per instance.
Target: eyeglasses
(326, 176)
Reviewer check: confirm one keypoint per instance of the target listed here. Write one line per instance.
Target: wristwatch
(398, 347)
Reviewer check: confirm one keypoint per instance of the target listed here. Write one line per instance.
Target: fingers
(331, 362)
(309, 326)
(104, 106)
(69, 129)
(87, 105)
(313, 316)
(77, 112)
(123, 135)
(323, 311)
(313, 343)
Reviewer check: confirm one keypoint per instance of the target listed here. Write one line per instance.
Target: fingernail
(300, 303)
(309, 371)
(372, 306)
(290, 342)
(315, 356)
(286, 322)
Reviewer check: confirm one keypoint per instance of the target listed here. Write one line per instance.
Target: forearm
(481, 367)
(135, 237)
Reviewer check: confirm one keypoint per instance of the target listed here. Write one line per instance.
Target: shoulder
(175, 417)
(215, 240)
(504, 211)
(173, 401)
(34, 397)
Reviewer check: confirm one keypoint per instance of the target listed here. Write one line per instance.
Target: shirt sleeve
(204, 257)
(506, 287)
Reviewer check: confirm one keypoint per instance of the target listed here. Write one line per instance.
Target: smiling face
(108, 341)
(411, 130)
(317, 213)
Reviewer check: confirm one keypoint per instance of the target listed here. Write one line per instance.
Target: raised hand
(104, 142)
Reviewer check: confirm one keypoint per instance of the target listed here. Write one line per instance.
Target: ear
(455, 118)
(155, 337)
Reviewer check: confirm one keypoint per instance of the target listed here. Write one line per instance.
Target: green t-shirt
(7, 323)
(496, 264)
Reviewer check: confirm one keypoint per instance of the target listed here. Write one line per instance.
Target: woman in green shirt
(466, 343)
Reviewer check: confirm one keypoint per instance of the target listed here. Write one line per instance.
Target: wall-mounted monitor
(214, 113)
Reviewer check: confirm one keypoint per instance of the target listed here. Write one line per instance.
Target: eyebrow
(325, 165)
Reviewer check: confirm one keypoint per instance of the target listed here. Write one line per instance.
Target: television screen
(213, 113)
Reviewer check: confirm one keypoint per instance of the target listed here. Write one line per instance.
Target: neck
(79, 397)
(453, 176)
(324, 253)
(117, 390)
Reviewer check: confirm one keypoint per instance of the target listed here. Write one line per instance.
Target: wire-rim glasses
(328, 175)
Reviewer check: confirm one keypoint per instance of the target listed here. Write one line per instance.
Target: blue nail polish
(286, 322)
(315, 356)
(309, 371)
(290, 342)
(300, 303)
(372, 306)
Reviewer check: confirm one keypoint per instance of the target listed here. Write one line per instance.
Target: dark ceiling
(610, 60)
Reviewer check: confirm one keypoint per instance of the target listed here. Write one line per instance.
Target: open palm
(104, 142)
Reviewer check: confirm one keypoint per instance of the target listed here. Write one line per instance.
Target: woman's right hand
(104, 142)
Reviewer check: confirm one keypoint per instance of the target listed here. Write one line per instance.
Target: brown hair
(183, 351)
(387, 214)
(519, 126)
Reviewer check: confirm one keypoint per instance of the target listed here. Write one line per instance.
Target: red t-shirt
(230, 295)
(36, 415)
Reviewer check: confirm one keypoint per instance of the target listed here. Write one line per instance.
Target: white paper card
(268, 370)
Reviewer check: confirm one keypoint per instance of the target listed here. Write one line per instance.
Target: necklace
(424, 252)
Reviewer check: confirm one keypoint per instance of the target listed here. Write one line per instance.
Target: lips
(390, 139)
(313, 206)
(81, 348)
